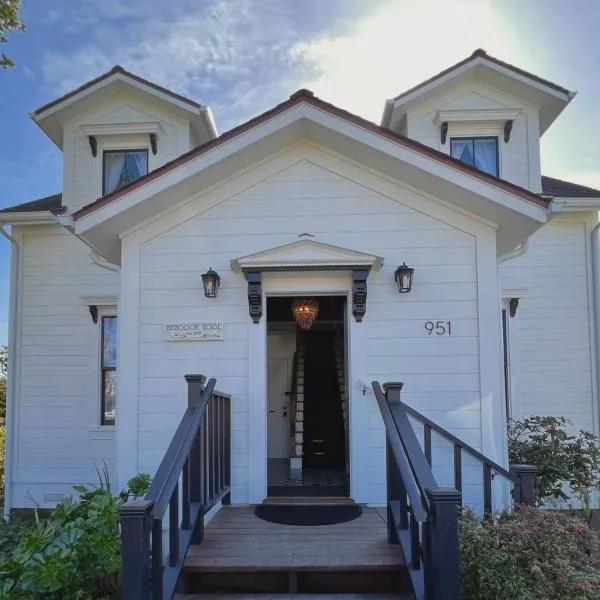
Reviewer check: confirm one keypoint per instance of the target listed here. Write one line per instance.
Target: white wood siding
(58, 440)
(519, 158)
(441, 375)
(82, 173)
(552, 345)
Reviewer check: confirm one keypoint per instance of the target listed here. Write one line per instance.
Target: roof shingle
(565, 189)
(51, 203)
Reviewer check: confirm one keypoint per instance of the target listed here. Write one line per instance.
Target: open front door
(278, 420)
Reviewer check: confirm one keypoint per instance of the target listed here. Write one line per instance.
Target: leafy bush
(76, 553)
(527, 554)
(2, 457)
(558, 456)
(139, 485)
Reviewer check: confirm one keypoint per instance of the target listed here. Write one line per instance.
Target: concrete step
(268, 596)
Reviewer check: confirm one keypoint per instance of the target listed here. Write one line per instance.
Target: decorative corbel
(94, 313)
(444, 132)
(154, 143)
(512, 306)
(359, 294)
(254, 279)
(93, 145)
(507, 129)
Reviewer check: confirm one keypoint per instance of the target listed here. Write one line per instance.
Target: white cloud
(204, 51)
(399, 46)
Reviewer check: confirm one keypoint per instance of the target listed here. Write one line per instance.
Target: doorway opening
(308, 421)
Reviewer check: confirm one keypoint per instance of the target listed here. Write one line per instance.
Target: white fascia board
(187, 169)
(476, 116)
(28, 218)
(104, 129)
(310, 113)
(432, 166)
(104, 83)
(579, 204)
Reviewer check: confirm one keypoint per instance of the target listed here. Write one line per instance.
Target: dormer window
(479, 152)
(121, 167)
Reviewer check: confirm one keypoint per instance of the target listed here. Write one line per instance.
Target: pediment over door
(307, 255)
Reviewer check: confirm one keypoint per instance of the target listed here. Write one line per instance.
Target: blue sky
(243, 56)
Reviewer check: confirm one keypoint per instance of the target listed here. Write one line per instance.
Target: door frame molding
(302, 283)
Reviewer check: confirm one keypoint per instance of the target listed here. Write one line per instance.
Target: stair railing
(423, 516)
(194, 475)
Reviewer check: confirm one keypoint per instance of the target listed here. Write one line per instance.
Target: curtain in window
(463, 150)
(139, 164)
(114, 165)
(486, 155)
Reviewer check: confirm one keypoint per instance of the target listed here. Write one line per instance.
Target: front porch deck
(238, 541)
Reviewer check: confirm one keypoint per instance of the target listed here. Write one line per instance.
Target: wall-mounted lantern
(404, 278)
(211, 282)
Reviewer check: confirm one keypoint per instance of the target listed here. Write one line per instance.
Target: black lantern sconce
(404, 278)
(211, 282)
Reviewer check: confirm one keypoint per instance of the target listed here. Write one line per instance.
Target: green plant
(76, 553)
(139, 485)
(527, 554)
(2, 459)
(559, 457)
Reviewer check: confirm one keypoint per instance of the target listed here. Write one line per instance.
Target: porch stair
(410, 547)
(242, 554)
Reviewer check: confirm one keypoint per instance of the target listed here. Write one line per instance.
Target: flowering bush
(527, 554)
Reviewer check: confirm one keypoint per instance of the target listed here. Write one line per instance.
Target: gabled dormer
(484, 112)
(115, 129)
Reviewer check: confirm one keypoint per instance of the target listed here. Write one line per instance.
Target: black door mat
(303, 515)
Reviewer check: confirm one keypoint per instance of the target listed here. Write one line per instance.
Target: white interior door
(278, 422)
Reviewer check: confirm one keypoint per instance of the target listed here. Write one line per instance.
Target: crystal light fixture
(305, 312)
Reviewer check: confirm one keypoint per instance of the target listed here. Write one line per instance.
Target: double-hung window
(121, 167)
(479, 152)
(108, 370)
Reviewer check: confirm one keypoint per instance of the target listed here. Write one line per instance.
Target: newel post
(524, 490)
(396, 491)
(442, 553)
(195, 387)
(136, 520)
(194, 489)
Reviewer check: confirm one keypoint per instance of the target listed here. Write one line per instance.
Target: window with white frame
(120, 167)
(479, 152)
(108, 369)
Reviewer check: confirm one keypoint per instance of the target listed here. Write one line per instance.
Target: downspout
(595, 249)
(518, 251)
(13, 325)
(103, 263)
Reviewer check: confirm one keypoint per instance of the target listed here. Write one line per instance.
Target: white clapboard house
(297, 259)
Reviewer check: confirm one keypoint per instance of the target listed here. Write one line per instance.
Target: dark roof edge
(560, 188)
(52, 203)
(480, 53)
(308, 97)
(116, 69)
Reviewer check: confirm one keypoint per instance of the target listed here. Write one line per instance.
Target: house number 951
(438, 327)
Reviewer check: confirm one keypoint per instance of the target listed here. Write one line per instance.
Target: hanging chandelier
(305, 312)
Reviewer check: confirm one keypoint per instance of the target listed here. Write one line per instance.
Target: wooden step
(308, 500)
(293, 597)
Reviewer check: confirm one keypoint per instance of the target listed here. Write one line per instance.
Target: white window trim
(103, 311)
(512, 351)
(474, 130)
(120, 142)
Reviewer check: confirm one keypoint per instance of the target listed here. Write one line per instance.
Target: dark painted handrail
(422, 516)
(194, 475)
(520, 476)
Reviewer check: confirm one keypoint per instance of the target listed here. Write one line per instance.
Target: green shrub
(559, 457)
(139, 485)
(2, 457)
(527, 554)
(76, 553)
